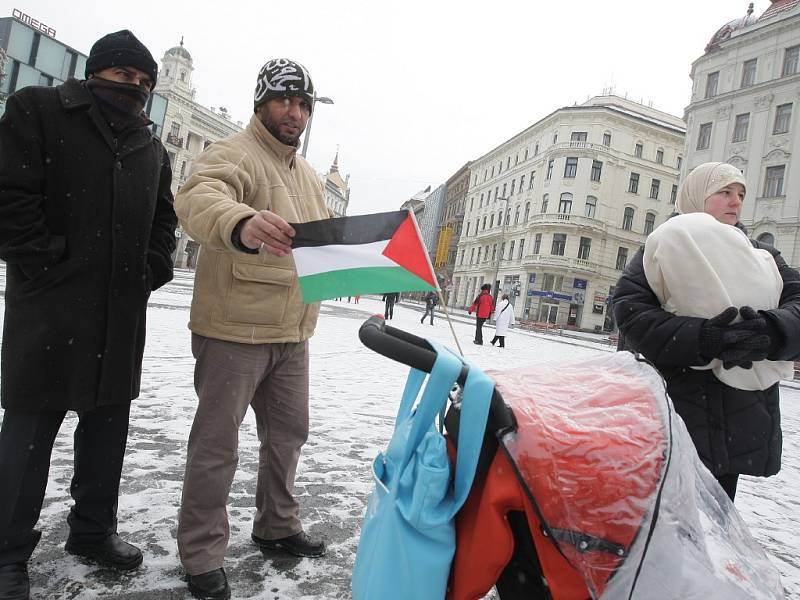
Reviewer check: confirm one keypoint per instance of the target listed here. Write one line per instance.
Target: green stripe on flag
(355, 282)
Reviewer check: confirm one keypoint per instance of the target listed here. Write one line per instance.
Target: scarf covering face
(698, 267)
(121, 103)
(704, 181)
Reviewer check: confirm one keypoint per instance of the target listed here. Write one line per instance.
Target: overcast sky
(420, 87)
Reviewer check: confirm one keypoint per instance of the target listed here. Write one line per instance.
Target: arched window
(649, 223)
(767, 238)
(516, 214)
(545, 198)
(491, 220)
(565, 204)
(627, 219)
(183, 75)
(527, 212)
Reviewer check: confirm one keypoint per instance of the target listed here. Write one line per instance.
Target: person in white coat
(503, 319)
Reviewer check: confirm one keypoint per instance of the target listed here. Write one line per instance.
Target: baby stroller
(588, 486)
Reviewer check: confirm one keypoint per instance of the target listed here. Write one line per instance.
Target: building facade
(553, 214)
(336, 189)
(30, 54)
(189, 129)
(743, 110)
(429, 221)
(450, 223)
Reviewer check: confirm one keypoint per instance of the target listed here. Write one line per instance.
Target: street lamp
(506, 216)
(314, 100)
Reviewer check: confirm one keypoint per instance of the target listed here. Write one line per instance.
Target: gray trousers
(229, 377)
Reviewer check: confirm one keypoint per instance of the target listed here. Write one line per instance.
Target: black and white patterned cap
(283, 77)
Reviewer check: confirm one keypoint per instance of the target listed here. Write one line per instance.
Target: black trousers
(389, 310)
(26, 443)
(428, 311)
(501, 339)
(479, 329)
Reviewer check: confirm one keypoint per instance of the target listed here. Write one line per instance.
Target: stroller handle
(415, 352)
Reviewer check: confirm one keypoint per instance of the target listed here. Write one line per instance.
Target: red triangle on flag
(405, 248)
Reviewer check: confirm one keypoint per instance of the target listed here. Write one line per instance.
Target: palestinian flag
(365, 254)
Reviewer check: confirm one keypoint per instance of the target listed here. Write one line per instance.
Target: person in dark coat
(87, 229)
(483, 306)
(736, 431)
(431, 300)
(390, 299)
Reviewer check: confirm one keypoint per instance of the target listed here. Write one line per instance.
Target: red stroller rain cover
(617, 501)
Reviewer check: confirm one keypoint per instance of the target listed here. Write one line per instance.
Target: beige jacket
(240, 297)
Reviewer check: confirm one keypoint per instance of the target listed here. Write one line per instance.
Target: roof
(180, 51)
(778, 6)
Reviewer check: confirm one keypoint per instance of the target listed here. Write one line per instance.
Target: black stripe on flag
(360, 229)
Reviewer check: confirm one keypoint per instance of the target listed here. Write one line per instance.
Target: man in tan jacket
(249, 325)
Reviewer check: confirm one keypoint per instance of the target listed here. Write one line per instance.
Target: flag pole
(438, 289)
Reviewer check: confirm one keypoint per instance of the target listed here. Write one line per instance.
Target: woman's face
(726, 205)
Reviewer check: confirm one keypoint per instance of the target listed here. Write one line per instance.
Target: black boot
(209, 586)
(299, 544)
(14, 583)
(111, 551)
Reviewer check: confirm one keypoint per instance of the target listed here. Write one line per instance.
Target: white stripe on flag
(311, 260)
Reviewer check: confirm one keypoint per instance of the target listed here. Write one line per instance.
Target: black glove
(737, 344)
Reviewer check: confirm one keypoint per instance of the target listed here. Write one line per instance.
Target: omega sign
(38, 25)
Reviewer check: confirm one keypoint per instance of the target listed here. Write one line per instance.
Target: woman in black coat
(735, 431)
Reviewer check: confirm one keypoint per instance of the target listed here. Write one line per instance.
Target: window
(176, 129)
(584, 247)
(590, 206)
(555, 137)
(679, 162)
(552, 283)
(767, 238)
(606, 139)
(740, 127)
(597, 169)
(559, 243)
(183, 169)
(783, 118)
(472, 256)
(491, 220)
(536, 149)
(654, 185)
(649, 223)
(537, 243)
(633, 184)
(171, 159)
(749, 73)
(521, 183)
(505, 188)
(183, 75)
(530, 183)
(516, 215)
(513, 185)
(565, 204)
(571, 167)
(622, 258)
(660, 157)
(488, 196)
(627, 219)
(550, 169)
(638, 150)
(673, 196)
(511, 250)
(773, 184)
(466, 230)
(527, 212)
(791, 61)
(526, 154)
(578, 136)
(712, 81)
(545, 198)
(494, 252)
(704, 136)
(462, 256)
(484, 223)
(521, 247)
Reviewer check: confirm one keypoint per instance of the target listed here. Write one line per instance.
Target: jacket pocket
(259, 294)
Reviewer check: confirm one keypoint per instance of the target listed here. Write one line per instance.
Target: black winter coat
(734, 431)
(87, 229)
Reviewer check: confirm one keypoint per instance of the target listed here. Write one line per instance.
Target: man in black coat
(87, 232)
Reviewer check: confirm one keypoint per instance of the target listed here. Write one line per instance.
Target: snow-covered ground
(354, 394)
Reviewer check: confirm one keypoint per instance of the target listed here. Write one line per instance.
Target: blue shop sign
(553, 295)
(580, 284)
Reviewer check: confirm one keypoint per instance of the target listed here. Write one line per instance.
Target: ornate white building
(743, 110)
(188, 130)
(336, 189)
(553, 214)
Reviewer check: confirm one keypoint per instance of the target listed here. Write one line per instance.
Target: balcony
(175, 140)
(562, 219)
(550, 260)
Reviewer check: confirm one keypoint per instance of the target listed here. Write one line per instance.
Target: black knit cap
(283, 77)
(121, 49)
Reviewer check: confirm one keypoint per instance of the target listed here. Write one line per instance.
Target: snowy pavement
(354, 394)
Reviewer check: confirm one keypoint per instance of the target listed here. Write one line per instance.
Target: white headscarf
(702, 182)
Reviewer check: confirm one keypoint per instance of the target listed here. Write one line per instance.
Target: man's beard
(274, 128)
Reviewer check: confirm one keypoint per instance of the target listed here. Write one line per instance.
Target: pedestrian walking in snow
(503, 318)
(482, 306)
(431, 300)
(389, 299)
(87, 228)
(249, 325)
(671, 304)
